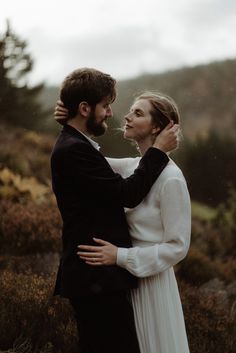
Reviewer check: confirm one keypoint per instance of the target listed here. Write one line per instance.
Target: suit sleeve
(96, 179)
(176, 218)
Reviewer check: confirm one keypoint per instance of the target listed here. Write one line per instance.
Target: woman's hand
(60, 113)
(168, 139)
(105, 254)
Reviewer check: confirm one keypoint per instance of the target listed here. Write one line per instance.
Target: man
(91, 199)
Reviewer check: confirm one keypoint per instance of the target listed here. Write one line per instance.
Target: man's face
(96, 123)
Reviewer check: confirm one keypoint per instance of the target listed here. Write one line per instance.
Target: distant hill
(205, 95)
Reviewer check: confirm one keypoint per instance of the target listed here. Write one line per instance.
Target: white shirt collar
(93, 143)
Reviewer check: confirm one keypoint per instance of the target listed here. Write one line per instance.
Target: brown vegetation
(31, 320)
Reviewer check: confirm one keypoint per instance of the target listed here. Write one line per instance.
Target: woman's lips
(128, 127)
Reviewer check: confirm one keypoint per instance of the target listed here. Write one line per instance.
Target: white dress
(160, 227)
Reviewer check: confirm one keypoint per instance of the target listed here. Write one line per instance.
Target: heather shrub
(31, 317)
(15, 162)
(211, 328)
(26, 152)
(226, 269)
(225, 223)
(40, 263)
(34, 140)
(15, 187)
(196, 268)
(213, 245)
(27, 228)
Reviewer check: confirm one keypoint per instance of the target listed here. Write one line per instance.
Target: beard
(95, 128)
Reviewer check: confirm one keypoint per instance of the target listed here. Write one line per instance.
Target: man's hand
(105, 254)
(60, 113)
(167, 140)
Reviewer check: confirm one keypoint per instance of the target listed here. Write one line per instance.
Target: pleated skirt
(158, 315)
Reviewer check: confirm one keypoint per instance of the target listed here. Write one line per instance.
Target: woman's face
(138, 122)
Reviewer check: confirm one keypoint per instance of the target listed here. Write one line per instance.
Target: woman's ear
(156, 130)
(84, 109)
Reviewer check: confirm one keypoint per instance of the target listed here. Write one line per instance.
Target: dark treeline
(19, 103)
(208, 162)
(209, 167)
(205, 95)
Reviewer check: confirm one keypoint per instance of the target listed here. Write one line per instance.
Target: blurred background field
(31, 320)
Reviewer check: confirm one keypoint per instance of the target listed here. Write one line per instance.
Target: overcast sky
(124, 38)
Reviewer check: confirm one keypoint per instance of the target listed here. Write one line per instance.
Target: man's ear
(84, 109)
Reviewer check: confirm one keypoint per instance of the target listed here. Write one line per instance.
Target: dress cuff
(122, 254)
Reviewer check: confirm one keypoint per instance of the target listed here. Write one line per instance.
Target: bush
(44, 263)
(29, 228)
(210, 327)
(26, 153)
(208, 165)
(225, 222)
(196, 268)
(15, 187)
(30, 316)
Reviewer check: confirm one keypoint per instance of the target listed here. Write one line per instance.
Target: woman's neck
(144, 145)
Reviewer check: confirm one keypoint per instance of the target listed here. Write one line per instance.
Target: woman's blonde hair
(164, 109)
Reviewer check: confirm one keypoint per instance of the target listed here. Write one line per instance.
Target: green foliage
(202, 212)
(225, 217)
(18, 102)
(209, 167)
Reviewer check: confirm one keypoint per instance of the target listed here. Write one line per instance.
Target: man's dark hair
(89, 85)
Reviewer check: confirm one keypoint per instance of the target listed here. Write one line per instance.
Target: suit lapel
(72, 131)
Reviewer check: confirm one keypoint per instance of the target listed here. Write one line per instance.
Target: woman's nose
(128, 117)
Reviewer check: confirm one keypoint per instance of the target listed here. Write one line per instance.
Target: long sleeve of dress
(119, 165)
(176, 217)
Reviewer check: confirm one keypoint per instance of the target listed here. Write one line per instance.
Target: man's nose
(109, 112)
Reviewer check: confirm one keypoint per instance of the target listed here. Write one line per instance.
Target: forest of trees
(19, 105)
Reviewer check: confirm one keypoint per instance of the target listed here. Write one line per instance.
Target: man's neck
(79, 126)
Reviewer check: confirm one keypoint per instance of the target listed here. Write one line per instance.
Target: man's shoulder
(66, 142)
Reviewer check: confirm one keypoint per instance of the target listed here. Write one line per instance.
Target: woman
(160, 228)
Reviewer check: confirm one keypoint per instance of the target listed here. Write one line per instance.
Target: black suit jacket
(91, 199)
